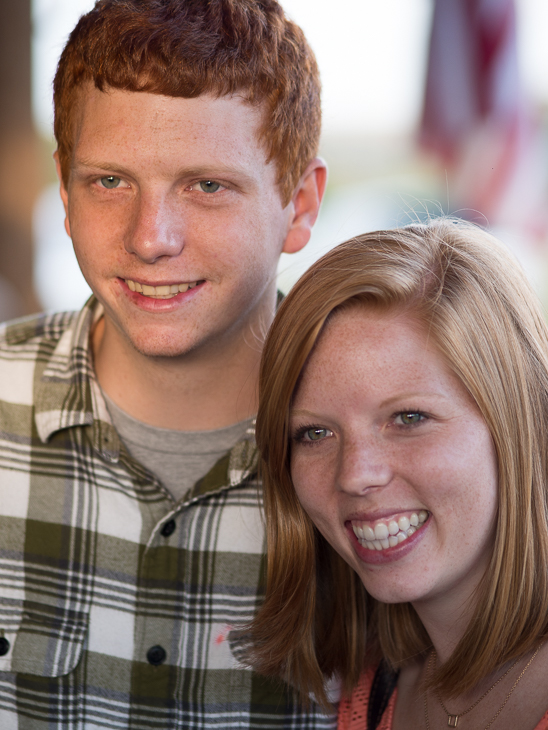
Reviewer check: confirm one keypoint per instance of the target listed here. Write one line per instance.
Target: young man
(130, 534)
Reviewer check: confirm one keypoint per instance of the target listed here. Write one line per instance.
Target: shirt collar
(68, 394)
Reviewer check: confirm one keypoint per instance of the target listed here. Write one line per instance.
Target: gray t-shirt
(177, 458)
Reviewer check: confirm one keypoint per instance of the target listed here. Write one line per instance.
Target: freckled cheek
(228, 242)
(299, 484)
(313, 491)
(244, 248)
(463, 500)
(93, 239)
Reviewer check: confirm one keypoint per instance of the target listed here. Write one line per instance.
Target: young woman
(403, 429)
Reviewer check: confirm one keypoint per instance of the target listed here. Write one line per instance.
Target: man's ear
(305, 203)
(63, 191)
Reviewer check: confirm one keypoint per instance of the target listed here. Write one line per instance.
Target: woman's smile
(384, 534)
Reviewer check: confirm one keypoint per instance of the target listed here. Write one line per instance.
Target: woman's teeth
(160, 292)
(388, 534)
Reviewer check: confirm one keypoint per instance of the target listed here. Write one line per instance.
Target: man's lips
(161, 291)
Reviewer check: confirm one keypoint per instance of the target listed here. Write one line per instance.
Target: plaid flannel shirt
(115, 600)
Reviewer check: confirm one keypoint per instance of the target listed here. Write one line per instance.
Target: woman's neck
(445, 621)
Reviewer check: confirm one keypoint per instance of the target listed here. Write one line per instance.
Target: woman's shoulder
(353, 709)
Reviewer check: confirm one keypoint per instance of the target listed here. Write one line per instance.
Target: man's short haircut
(186, 48)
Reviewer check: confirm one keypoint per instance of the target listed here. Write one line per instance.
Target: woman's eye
(409, 418)
(313, 434)
(209, 186)
(110, 181)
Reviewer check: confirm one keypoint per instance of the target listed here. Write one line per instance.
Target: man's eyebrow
(217, 170)
(79, 162)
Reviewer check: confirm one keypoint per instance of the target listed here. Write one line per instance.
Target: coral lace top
(353, 709)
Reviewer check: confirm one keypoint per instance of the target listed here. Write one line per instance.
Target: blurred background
(429, 106)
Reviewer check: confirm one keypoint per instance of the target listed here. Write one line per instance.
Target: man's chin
(163, 349)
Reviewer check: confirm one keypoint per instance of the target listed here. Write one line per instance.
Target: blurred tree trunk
(20, 168)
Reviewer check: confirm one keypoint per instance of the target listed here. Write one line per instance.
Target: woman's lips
(388, 544)
(384, 533)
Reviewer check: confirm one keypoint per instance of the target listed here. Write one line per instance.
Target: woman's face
(392, 459)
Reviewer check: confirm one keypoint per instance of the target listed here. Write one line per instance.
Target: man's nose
(157, 228)
(364, 464)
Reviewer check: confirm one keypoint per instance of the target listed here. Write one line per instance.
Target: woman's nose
(364, 464)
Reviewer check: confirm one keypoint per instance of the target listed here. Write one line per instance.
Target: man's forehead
(88, 94)
(227, 124)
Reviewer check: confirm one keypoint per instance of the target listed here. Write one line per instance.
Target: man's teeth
(160, 292)
(388, 534)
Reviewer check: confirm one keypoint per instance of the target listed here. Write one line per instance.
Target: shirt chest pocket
(41, 640)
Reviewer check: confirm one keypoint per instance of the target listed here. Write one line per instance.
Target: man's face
(175, 217)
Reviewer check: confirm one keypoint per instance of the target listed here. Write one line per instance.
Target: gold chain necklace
(452, 720)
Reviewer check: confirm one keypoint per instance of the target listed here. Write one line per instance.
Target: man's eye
(110, 181)
(409, 418)
(209, 186)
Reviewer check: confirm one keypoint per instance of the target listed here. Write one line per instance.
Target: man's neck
(194, 392)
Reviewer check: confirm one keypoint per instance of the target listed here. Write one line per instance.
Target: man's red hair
(185, 48)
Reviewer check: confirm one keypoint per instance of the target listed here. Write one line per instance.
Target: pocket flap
(44, 640)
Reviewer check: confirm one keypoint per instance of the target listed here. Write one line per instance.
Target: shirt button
(156, 655)
(168, 529)
(4, 646)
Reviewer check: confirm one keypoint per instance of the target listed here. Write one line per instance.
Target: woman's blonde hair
(317, 619)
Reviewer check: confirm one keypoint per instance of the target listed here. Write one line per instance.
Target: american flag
(478, 120)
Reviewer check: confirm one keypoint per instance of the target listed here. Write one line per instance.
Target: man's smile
(165, 291)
